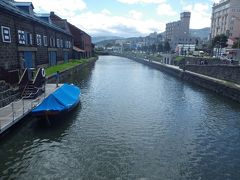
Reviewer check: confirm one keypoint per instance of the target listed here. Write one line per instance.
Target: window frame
(3, 28)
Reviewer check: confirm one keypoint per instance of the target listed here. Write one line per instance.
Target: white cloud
(100, 23)
(142, 1)
(165, 10)
(215, 1)
(61, 7)
(135, 14)
(105, 11)
(103, 22)
(200, 15)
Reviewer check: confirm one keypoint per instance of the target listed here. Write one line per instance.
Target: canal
(134, 122)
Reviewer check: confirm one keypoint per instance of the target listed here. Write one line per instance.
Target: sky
(126, 18)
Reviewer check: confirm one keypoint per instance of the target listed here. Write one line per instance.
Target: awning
(77, 49)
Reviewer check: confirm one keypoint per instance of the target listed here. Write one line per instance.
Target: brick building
(82, 42)
(82, 45)
(28, 40)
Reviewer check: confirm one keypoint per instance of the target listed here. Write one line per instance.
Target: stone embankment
(7, 94)
(68, 72)
(224, 72)
(225, 88)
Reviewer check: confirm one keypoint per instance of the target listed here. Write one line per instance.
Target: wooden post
(13, 111)
(23, 105)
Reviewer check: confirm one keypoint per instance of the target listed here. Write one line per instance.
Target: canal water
(134, 122)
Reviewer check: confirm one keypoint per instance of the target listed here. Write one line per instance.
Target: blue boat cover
(62, 99)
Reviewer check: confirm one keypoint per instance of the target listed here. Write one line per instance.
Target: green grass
(179, 58)
(61, 67)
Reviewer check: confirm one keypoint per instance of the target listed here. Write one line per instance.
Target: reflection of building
(178, 32)
(226, 18)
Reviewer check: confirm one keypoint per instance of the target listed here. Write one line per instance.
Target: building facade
(31, 40)
(27, 41)
(226, 18)
(178, 32)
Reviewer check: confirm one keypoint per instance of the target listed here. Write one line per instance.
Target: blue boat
(64, 99)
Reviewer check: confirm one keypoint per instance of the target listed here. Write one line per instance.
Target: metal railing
(17, 109)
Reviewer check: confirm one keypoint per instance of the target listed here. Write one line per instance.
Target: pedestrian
(205, 62)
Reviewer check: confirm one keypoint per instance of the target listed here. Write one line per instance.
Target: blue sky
(126, 18)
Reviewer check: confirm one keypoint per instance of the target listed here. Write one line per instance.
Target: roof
(10, 7)
(77, 49)
(23, 4)
(42, 15)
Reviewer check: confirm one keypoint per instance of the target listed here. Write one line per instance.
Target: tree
(237, 43)
(220, 41)
(153, 48)
(167, 47)
(160, 47)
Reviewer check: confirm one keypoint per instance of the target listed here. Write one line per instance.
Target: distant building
(226, 18)
(153, 39)
(178, 32)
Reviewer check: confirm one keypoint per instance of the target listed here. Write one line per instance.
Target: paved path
(14, 112)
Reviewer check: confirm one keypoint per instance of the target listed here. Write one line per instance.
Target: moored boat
(64, 99)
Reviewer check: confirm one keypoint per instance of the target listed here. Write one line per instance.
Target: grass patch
(179, 58)
(61, 67)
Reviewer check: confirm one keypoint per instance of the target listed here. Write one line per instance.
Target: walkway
(14, 112)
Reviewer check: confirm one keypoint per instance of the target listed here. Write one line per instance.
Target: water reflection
(134, 122)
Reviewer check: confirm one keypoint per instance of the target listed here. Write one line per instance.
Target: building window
(6, 35)
(28, 38)
(21, 37)
(58, 43)
(45, 41)
(52, 42)
(61, 43)
(66, 44)
(39, 39)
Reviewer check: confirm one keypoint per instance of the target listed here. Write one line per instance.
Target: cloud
(103, 24)
(105, 11)
(165, 10)
(62, 7)
(215, 1)
(142, 1)
(135, 14)
(200, 15)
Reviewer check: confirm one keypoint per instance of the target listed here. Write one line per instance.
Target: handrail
(12, 112)
(24, 89)
(23, 75)
(38, 89)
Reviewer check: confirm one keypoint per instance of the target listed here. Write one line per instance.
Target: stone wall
(67, 73)
(225, 72)
(209, 61)
(8, 51)
(7, 94)
(229, 90)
